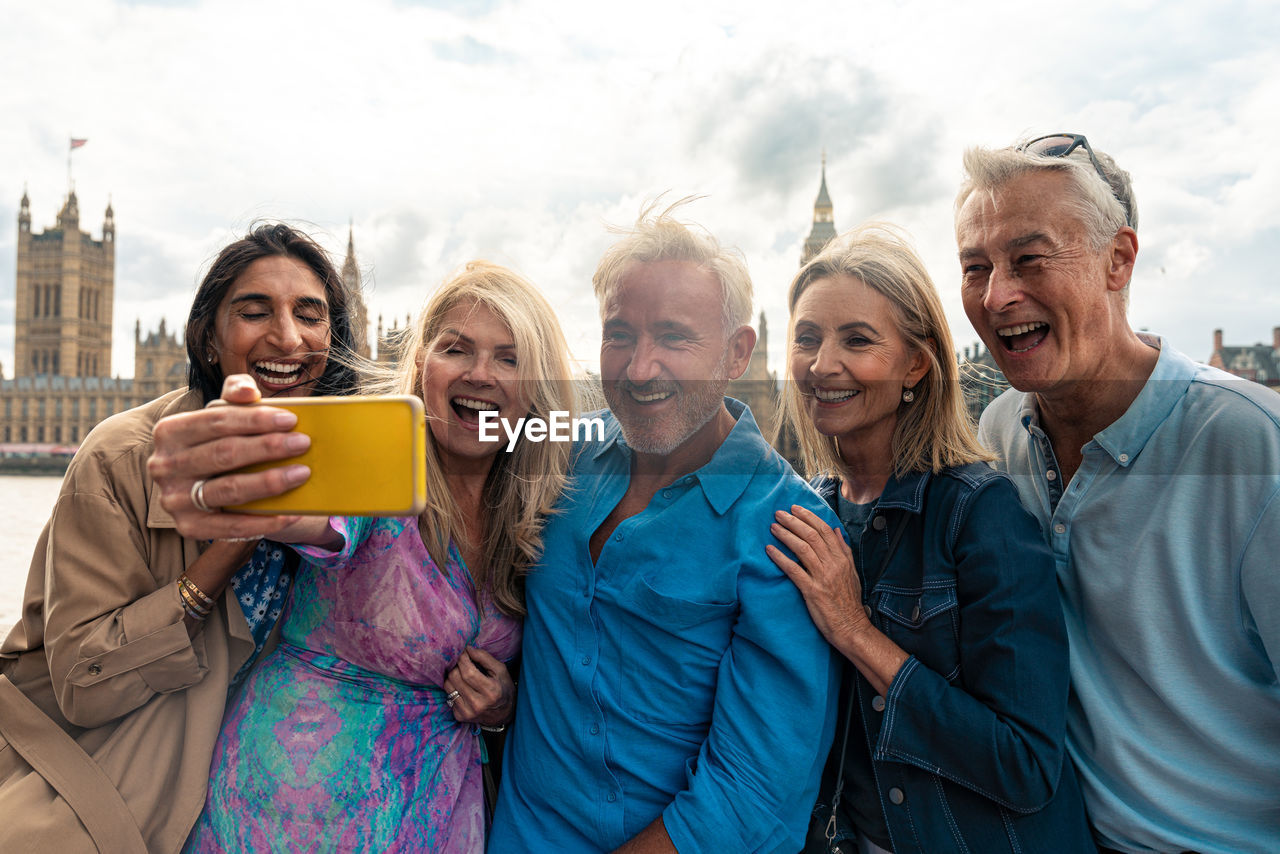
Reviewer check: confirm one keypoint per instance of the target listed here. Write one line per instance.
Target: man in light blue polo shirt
(675, 695)
(1156, 481)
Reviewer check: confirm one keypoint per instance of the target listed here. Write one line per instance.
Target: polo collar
(1125, 438)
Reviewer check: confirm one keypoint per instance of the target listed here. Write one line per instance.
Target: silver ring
(452, 698)
(197, 497)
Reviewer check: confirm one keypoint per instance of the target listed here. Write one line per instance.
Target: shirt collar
(1125, 438)
(725, 476)
(1128, 435)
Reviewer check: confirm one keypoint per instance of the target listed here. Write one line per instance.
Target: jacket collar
(905, 493)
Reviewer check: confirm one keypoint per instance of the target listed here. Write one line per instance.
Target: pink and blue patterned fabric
(341, 740)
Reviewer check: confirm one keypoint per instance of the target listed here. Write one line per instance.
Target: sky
(520, 131)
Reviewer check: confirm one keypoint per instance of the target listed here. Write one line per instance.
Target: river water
(25, 504)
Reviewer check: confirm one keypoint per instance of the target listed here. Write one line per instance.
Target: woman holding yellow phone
(113, 683)
(353, 735)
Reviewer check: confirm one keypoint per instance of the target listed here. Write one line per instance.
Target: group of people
(1059, 634)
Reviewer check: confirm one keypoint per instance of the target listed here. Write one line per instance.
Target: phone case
(367, 458)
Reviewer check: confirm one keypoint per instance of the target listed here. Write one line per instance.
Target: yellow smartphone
(367, 458)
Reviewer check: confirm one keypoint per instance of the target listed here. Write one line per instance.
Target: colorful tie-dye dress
(341, 740)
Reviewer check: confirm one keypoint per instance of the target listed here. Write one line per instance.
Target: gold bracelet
(199, 594)
(189, 604)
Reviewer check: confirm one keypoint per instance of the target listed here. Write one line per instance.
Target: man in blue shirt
(675, 695)
(1157, 485)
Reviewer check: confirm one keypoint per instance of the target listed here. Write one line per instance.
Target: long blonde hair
(934, 431)
(522, 486)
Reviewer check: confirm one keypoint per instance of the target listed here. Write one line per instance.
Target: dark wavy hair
(264, 241)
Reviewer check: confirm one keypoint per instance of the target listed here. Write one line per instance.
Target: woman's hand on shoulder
(825, 574)
(486, 694)
(195, 451)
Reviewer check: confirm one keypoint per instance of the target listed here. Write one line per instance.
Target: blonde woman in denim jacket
(943, 601)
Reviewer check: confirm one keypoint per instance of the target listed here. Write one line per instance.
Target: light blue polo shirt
(1167, 543)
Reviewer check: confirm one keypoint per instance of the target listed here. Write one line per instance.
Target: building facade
(62, 385)
(1258, 362)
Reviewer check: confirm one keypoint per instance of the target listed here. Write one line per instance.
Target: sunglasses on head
(1061, 145)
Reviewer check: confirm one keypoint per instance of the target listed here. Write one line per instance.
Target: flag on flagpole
(76, 143)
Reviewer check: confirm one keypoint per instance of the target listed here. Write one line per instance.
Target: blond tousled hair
(658, 236)
(934, 431)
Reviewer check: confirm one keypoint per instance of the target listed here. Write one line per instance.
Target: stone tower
(159, 361)
(65, 292)
(355, 296)
(824, 226)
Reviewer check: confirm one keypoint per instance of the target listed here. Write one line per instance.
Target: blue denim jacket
(966, 752)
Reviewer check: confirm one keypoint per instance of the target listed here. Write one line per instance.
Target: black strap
(853, 696)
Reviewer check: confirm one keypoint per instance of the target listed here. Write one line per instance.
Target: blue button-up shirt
(679, 676)
(1167, 550)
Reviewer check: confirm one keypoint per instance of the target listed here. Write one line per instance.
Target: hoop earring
(908, 395)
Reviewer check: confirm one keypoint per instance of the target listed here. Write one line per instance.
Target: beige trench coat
(108, 710)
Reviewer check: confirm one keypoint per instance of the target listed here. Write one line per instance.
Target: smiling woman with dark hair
(113, 683)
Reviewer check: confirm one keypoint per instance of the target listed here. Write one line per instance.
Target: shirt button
(877, 703)
(595, 729)
(1124, 458)
(1059, 528)
(666, 493)
(896, 796)
(618, 537)
(586, 659)
(1051, 475)
(878, 523)
(612, 797)
(95, 669)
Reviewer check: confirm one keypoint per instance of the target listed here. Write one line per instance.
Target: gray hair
(659, 236)
(1103, 206)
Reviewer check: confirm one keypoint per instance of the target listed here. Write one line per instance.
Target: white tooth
(1020, 329)
(649, 398)
(472, 403)
(833, 395)
(279, 367)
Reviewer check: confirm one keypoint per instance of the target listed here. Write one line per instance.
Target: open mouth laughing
(1022, 337)
(279, 375)
(468, 409)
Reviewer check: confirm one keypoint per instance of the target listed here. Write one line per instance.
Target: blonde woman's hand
(825, 574)
(486, 695)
